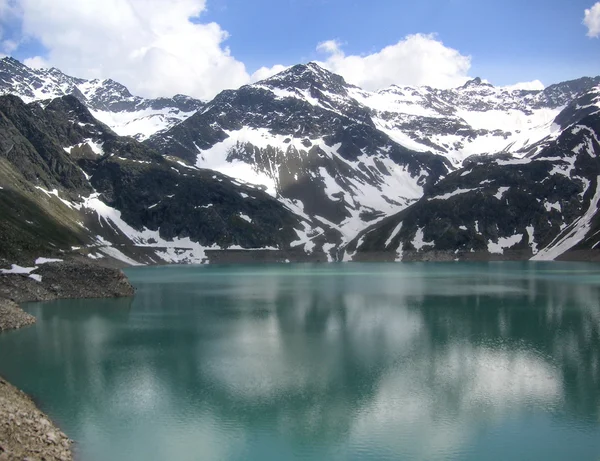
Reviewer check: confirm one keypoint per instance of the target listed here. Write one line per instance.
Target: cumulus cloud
(37, 62)
(530, 86)
(155, 47)
(592, 20)
(162, 47)
(266, 72)
(418, 59)
(332, 47)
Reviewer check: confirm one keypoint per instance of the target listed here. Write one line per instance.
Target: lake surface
(463, 361)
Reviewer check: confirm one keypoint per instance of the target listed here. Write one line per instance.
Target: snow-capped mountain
(68, 184)
(474, 119)
(304, 138)
(331, 150)
(414, 173)
(109, 101)
(541, 207)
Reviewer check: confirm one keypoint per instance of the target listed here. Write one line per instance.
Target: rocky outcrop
(25, 432)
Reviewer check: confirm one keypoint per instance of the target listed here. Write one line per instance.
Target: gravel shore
(62, 280)
(12, 316)
(25, 432)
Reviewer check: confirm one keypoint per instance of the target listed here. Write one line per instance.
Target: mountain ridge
(110, 101)
(336, 163)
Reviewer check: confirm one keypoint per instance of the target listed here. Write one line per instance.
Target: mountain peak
(301, 69)
(12, 62)
(476, 82)
(313, 65)
(307, 76)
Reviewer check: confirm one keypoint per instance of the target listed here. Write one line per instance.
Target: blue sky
(509, 40)
(199, 47)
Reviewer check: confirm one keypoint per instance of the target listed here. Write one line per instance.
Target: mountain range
(300, 166)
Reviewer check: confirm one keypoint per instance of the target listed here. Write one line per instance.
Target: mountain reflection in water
(348, 361)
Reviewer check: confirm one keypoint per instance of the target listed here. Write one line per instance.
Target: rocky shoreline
(13, 317)
(65, 280)
(25, 432)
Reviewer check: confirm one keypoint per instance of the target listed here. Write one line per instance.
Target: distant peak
(397, 87)
(314, 66)
(474, 82)
(11, 61)
(309, 72)
(477, 81)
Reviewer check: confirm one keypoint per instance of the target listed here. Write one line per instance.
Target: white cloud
(333, 47)
(531, 86)
(592, 20)
(37, 62)
(416, 60)
(152, 46)
(160, 47)
(266, 72)
(8, 46)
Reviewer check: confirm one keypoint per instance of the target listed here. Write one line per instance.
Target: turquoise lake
(414, 361)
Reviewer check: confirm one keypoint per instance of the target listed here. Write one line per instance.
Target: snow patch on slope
(141, 124)
(576, 232)
(393, 235)
(16, 269)
(452, 194)
(419, 240)
(504, 243)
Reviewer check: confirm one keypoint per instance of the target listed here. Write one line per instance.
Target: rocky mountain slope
(109, 101)
(303, 137)
(474, 119)
(304, 162)
(69, 184)
(543, 206)
(349, 157)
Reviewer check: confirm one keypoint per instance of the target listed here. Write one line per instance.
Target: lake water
(497, 361)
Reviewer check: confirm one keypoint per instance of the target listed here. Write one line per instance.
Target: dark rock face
(585, 104)
(201, 205)
(27, 142)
